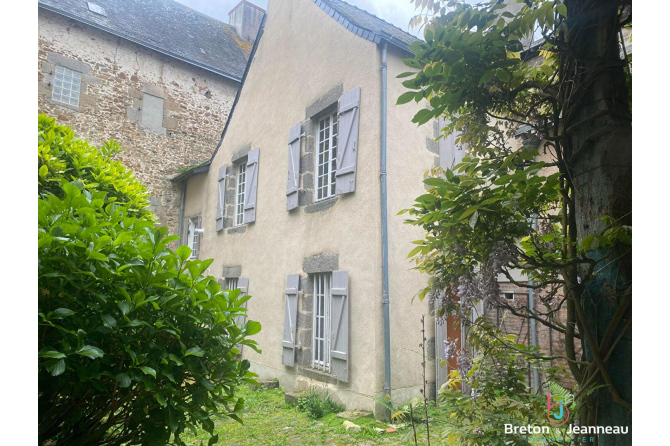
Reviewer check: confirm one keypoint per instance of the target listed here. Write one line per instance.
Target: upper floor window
(66, 86)
(239, 202)
(326, 156)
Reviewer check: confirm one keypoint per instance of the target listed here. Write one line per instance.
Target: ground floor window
(321, 324)
(231, 283)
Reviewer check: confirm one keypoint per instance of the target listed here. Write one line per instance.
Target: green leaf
(471, 210)
(252, 327)
(124, 307)
(406, 97)
(90, 352)
(58, 368)
(148, 371)
(423, 116)
(160, 399)
(213, 440)
(184, 253)
(175, 359)
(51, 354)
(108, 321)
(63, 312)
(123, 379)
(562, 10)
(195, 351)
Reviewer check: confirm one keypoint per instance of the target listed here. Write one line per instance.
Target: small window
(239, 203)
(193, 237)
(326, 157)
(67, 84)
(231, 283)
(509, 296)
(321, 324)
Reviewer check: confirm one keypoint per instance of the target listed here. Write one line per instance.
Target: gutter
(151, 47)
(181, 211)
(204, 167)
(385, 253)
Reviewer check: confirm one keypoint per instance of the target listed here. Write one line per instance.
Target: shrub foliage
(135, 344)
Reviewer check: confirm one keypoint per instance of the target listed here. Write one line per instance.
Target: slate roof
(364, 24)
(167, 27)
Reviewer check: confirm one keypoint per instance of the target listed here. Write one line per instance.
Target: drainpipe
(180, 230)
(533, 328)
(385, 248)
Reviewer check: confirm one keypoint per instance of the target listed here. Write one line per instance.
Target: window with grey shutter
(221, 202)
(348, 119)
(450, 153)
(339, 326)
(293, 182)
(290, 317)
(243, 285)
(252, 186)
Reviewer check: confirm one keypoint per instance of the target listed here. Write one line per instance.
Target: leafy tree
(561, 211)
(135, 344)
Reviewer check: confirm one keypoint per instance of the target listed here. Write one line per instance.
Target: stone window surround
(169, 105)
(325, 104)
(231, 272)
(48, 69)
(240, 156)
(319, 263)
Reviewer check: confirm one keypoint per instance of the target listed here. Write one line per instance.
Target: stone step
(265, 384)
(293, 397)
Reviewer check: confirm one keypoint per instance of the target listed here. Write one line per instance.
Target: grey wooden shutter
(339, 344)
(221, 202)
(347, 150)
(243, 285)
(450, 153)
(251, 187)
(293, 183)
(290, 318)
(195, 253)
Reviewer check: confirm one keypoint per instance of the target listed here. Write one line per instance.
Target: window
(193, 236)
(66, 86)
(231, 283)
(321, 324)
(509, 296)
(326, 156)
(239, 203)
(152, 113)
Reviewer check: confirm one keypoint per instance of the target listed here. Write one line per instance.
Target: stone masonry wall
(116, 75)
(551, 342)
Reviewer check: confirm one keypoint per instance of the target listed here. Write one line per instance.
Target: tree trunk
(598, 152)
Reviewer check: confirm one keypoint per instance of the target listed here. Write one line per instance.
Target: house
(291, 204)
(154, 75)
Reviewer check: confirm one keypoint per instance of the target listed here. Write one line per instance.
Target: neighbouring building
(156, 76)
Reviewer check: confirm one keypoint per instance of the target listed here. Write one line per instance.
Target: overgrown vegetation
(135, 344)
(317, 404)
(559, 212)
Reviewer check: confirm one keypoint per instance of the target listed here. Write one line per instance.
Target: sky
(397, 12)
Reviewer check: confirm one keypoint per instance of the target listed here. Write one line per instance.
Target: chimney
(246, 18)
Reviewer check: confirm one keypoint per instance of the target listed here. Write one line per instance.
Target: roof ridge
(376, 17)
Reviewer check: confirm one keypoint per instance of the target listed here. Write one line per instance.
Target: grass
(270, 421)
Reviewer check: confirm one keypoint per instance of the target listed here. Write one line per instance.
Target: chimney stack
(246, 18)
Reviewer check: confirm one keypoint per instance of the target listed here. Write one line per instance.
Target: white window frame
(231, 283)
(326, 145)
(240, 190)
(321, 322)
(67, 86)
(191, 236)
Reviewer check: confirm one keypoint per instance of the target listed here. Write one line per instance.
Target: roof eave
(144, 44)
(202, 168)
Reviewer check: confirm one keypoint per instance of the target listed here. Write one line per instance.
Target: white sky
(397, 12)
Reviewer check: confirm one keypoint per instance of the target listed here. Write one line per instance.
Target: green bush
(135, 344)
(317, 405)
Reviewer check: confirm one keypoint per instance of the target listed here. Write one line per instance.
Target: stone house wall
(117, 75)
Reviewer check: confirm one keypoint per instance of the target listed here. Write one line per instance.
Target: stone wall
(118, 76)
